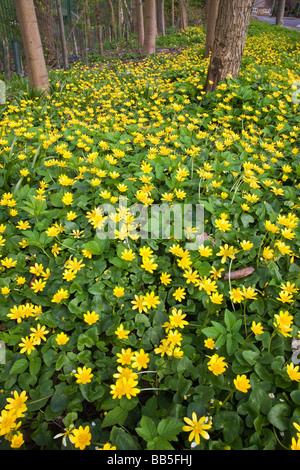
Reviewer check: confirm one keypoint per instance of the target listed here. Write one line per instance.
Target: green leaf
(169, 428)
(159, 443)
(278, 416)
(147, 429)
(35, 365)
(122, 439)
(19, 366)
(115, 416)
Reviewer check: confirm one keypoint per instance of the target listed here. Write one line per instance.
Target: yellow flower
(83, 375)
(17, 440)
(216, 298)
(8, 263)
(60, 295)
(236, 295)
(165, 279)
(81, 437)
(5, 290)
(67, 199)
(16, 405)
(205, 251)
(257, 328)
(7, 422)
(62, 338)
(108, 446)
(197, 428)
(209, 343)
(139, 303)
(151, 300)
(242, 383)
(223, 225)
(38, 334)
(121, 333)
(125, 357)
(90, 317)
(293, 372)
(118, 291)
(246, 245)
(27, 345)
(37, 285)
(179, 294)
(141, 360)
(216, 364)
(128, 255)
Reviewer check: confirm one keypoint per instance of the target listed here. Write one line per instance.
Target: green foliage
(135, 342)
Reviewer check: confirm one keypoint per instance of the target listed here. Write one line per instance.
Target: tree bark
(183, 14)
(160, 17)
(113, 19)
(212, 14)
(139, 22)
(46, 23)
(37, 70)
(280, 12)
(99, 27)
(62, 35)
(173, 13)
(230, 37)
(150, 27)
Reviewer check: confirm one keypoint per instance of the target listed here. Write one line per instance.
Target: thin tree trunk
(139, 22)
(150, 27)
(160, 17)
(230, 37)
(280, 12)
(38, 74)
(173, 13)
(183, 14)
(99, 28)
(113, 19)
(212, 14)
(62, 34)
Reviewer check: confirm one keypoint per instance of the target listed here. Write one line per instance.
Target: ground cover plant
(129, 343)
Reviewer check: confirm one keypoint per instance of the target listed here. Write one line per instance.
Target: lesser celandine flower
(119, 291)
(242, 383)
(62, 338)
(121, 333)
(81, 437)
(107, 446)
(197, 428)
(216, 364)
(257, 328)
(84, 375)
(90, 317)
(293, 372)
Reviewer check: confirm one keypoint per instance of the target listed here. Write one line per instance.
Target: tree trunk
(160, 17)
(37, 70)
(46, 25)
(212, 14)
(99, 27)
(120, 18)
(173, 13)
(62, 34)
(139, 22)
(150, 27)
(183, 14)
(230, 37)
(280, 12)
(113, 19)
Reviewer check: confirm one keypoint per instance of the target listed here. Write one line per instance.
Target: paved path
(288, 22)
